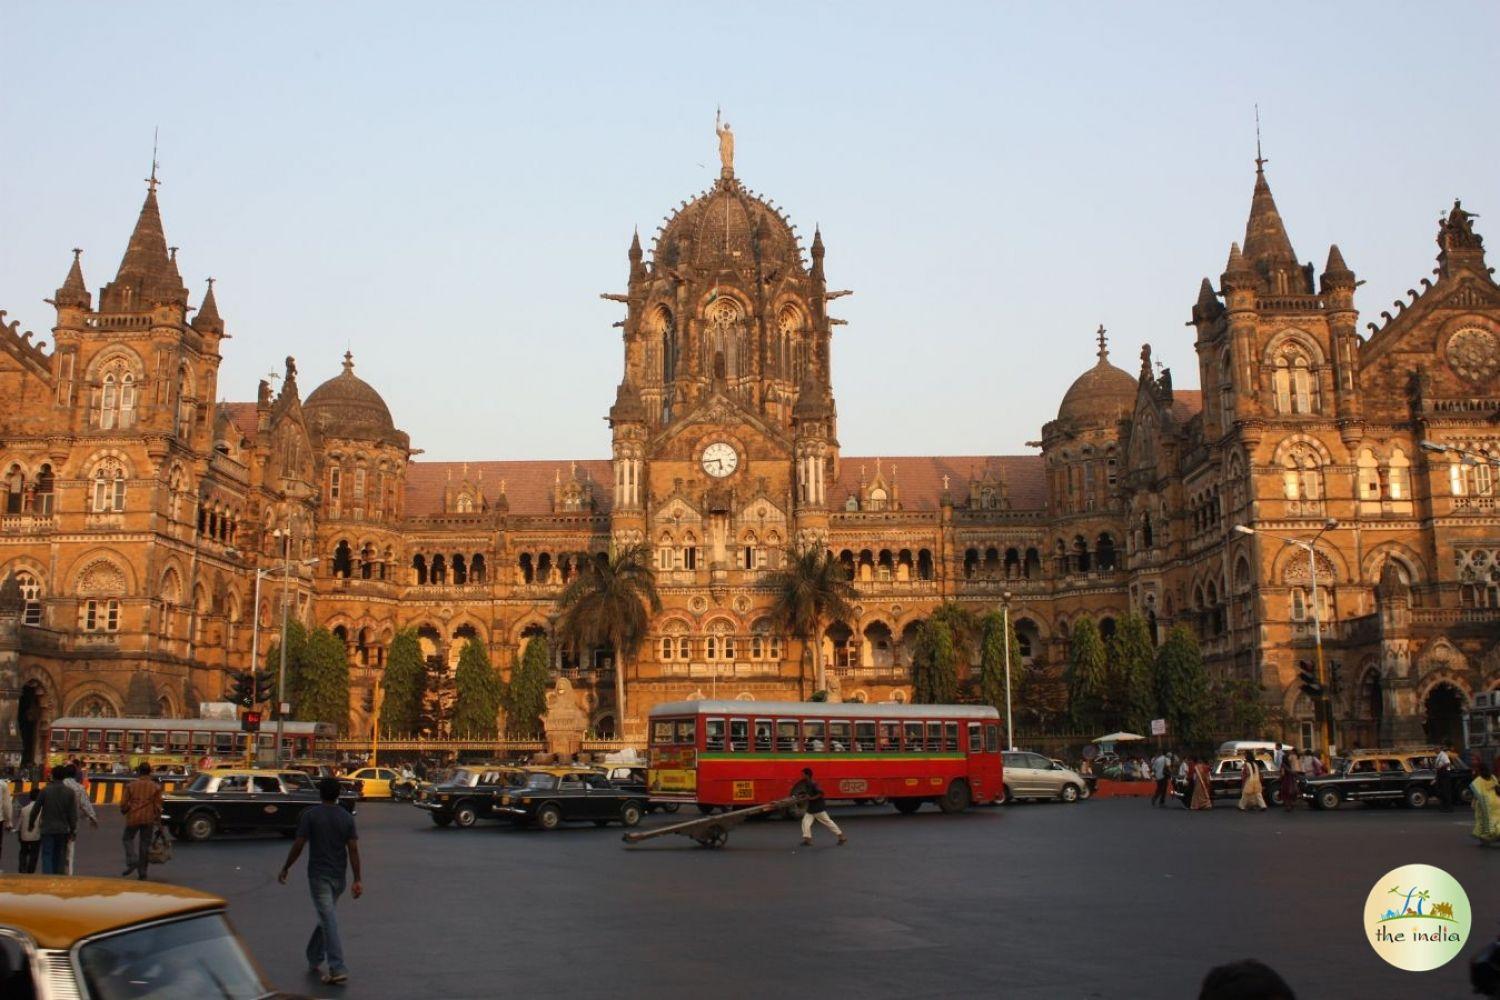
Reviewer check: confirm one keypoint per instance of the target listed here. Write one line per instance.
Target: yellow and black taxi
(552, 796)
(102, 938)
(470, 794)
(242, 799)
(1405, 776)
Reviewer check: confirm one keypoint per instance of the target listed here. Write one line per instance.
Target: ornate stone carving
(1474, 353)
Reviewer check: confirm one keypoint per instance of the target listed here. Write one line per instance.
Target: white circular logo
(1417, 917)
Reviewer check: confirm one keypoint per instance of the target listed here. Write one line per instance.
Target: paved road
(1099, 899)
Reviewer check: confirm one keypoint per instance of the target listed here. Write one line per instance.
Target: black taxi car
(1383, 776)
(1224, 777)
(241, 799)
(469, 794)
(550, 797)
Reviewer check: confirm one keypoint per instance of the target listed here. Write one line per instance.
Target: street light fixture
(1322, 706)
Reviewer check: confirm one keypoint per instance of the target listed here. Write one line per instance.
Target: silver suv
(1032, 776)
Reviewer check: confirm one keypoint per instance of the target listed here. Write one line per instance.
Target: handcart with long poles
(713, 830)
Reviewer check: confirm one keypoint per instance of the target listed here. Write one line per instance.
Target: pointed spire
(635, 245)
(817, 243)
(1336, 273)
(1237, 264)
(207, 317)
(73, 291)
(148, 274)
(1208, 307)
(1103, 345)
(1206, 294)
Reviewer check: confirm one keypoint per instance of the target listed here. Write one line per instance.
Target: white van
(1236, 748)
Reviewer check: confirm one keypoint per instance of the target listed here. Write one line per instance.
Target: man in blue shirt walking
(327, 830)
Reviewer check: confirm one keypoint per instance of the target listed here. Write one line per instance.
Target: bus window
(839, 737)
(976, 737)
(950, 737)
(786, 736)
(59, 738)
(661, 732)
(812, 736)
(739, 734)
(179, 741)
(137, 739)
(934, 737)
(223, 742)
(687, 732)
(202, 740)
(112, 741)
(991, 739)
(762, 735)
(890, 736)
(158, 741)
(864, 737)
(912, 735)
(713, 734)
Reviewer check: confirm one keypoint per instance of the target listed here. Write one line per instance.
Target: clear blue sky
(446, 188)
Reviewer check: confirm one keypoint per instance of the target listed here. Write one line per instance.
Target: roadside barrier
(104, 789)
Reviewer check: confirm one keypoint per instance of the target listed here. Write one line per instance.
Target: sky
(446, 189)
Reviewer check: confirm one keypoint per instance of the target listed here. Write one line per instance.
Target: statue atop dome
(726, 144)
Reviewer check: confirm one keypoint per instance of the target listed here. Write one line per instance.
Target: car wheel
(907, 806)
(1466, 795)
(549, 817)
(957, 798)
(707, 809)
(1069, 793)
(201, 826)
(442, 820)
(1416, 798)
(630, 814)
(1006, 798)
(1328, 798)
(465, 815)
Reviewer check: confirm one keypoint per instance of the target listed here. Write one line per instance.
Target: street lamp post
(286, 602)
(1010, 731)
(1324, 705)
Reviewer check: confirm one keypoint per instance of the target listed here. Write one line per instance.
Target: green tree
(1133, 660)
(992, 662)
(404, 685)
(1087, 675)
(934, 674)
(811, 591)
(479, 691)
(1241, 704)
(612, 602)
(526, 695)
(319, 686)
(1182, 686)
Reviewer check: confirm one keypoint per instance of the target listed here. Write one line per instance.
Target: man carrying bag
(142, 806)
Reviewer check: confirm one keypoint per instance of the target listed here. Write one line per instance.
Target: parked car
(1033, 776)
(552, 796)
(68, 936)
(468, 795)
(241, 800)
(1224, 776)
(317, 771)
(633, 778)
(1383, 776)
(377, 781)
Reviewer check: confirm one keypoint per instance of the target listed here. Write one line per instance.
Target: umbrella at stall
(1119, 738)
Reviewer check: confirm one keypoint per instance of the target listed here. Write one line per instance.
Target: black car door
(269, 803)
(573, 798)
(232, 800)
(604, 798)
(1363, 779)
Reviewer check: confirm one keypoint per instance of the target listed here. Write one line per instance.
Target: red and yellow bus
(729, 754)
(100, 742)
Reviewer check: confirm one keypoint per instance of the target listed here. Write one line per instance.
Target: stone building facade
(141, 520)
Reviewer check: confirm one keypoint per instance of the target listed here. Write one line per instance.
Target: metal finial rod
(1260, 161)
(151, 182)
(1103, 343)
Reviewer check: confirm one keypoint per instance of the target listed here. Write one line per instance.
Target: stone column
(10, 666)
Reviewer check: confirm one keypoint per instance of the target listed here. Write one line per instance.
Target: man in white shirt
(1160, 769)
(1443, 765)
(84, 805)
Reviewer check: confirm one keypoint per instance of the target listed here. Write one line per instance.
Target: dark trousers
(1160, 798)
(30, 851)
(1445, 789)
(137, 842)
(54, 854)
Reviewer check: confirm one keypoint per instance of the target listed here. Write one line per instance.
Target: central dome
(1101, 395)
(727, 226)
(347, 406)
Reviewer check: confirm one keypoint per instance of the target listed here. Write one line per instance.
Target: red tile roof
(919, 479)
(528, 485)
(242, 415)
(1186, 403)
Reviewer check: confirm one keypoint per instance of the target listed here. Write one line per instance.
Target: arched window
(1295, 383)
(100, 587)
(15, 489)
(117, 387)
(343, 560)
(1399, 476)
(1301, 473)
(109, 487)
(465, 504)
(31, 598)
(1369, 475)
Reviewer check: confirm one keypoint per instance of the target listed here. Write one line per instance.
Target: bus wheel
(670, 807)
(957, 798)
(707, 809)
(907, 806)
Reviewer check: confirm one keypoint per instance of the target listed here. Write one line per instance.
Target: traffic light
(1309, 680)
(250, 722)
(242, 691)
(265, 686)
(1335, 678)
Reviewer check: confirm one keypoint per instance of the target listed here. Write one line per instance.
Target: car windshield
(541, 781)
(296, 779)
(462, 776)
(196, 957)
(200, 783)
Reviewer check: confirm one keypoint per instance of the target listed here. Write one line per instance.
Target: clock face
(720, 459)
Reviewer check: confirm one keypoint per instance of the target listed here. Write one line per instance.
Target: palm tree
(608, 603)
(811, 590)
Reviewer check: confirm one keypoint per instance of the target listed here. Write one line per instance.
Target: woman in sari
(1290, 768)
(1251, 796)
(1486, 805)
(1202, 797)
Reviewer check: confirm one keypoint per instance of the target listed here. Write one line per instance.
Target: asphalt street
(1099, 899)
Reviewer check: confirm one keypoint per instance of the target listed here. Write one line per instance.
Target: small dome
(349, 407)
(1101, 395)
